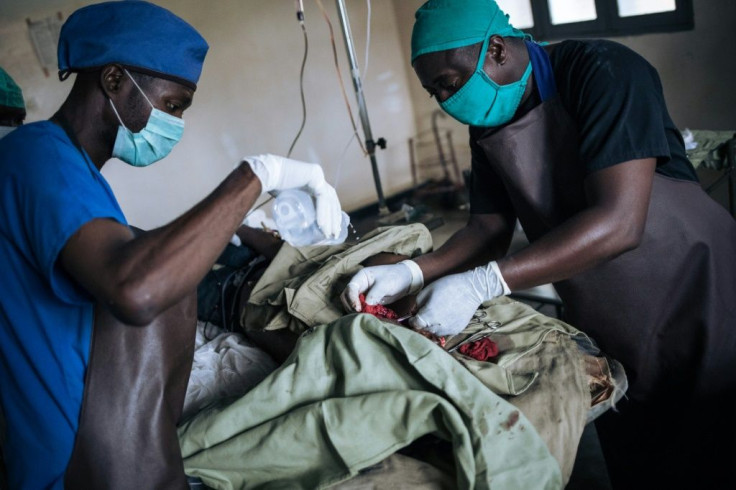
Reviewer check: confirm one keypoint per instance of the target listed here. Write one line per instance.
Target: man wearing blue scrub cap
(97, 323)
(574, 140)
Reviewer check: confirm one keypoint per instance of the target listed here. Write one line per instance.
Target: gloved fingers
(445, 307)
(418, 323)
(316, 177)
(443, 324)
(349, 296)
(377, 296)
(422, 319)
(360, 282)
(280, 173)
(392, 282)
(329, 211)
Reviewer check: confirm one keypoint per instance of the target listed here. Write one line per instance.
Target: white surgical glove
(278, 173)
(446, 306)
(384, 284)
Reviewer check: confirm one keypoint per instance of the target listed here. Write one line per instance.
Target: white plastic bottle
(295, 217)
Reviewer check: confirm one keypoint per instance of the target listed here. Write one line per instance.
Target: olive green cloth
(537, 354)
(712, 149)
(399, 472)
(539, 369)
(354, 392)
(301, 287)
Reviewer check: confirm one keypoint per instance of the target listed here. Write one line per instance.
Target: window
(558, 19)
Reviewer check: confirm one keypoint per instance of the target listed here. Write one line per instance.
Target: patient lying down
(527, 358)
(264, 331)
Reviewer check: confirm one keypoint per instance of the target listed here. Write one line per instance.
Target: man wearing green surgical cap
(574, 141)
(12, 107)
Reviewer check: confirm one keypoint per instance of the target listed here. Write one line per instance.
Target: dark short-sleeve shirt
(615, 98)
(48, 190)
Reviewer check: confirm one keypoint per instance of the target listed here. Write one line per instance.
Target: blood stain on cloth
(511, 420)
(481, 350)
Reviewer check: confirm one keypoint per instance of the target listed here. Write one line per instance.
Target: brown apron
(666, 310)
(133, 397)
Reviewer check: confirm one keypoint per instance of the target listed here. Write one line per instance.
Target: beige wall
(696, 67)
(247, 100)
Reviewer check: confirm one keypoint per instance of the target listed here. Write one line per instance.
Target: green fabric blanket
(353, 392)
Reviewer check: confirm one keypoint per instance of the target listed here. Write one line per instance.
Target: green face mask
(483, 102)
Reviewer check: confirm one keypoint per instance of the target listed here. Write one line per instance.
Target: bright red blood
(377, 310)
(482, 350)
(381, 311)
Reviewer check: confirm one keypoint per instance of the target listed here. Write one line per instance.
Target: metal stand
(370, 145)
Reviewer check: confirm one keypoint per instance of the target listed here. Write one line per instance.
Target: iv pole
(370, 145)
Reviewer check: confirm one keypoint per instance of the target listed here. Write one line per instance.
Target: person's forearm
(164, 264)
(614, 223)
(470, 246)
(584, 241)
(263, 242)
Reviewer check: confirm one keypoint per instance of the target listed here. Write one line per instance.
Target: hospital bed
(559, 423)
(558, 402)
(228, 369)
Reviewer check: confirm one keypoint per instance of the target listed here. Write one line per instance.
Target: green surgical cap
(449, 24)
(10, 93)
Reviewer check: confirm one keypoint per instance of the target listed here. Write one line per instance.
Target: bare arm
(263, 242)
(484, 238)
(613, 223)
(140, 277)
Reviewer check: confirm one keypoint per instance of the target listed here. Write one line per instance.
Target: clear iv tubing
(300, 17)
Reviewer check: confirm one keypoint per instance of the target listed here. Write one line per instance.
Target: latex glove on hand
(279, 173)
(446, 306)
(383, 284)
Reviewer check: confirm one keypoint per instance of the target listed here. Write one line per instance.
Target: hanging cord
(338, 172)
(339, 76)
(300, 18)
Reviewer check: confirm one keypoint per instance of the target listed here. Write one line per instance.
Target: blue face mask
(153, 142)
(483, 102)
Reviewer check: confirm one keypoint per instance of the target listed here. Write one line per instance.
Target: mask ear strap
(116, 114)
(137, 86)
(484, 49)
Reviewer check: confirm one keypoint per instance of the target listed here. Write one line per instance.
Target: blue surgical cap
(133, 33)
(447, 24)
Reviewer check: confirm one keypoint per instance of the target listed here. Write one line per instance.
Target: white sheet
(226, 365)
